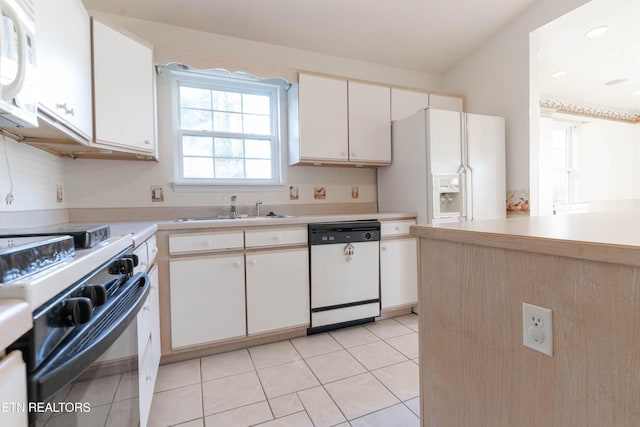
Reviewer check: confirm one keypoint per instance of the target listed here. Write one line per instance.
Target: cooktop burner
(84, 236)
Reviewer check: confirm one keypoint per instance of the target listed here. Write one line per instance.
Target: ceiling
(592, 62)
(425, 35)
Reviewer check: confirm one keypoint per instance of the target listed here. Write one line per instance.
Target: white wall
(608, 160)
(92, 183)
(35, 176)
(495, 80)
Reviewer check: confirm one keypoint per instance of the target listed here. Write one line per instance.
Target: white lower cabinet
(148, 347)
(277, 289)
(207, 299)
(13, 393)
(399, 272)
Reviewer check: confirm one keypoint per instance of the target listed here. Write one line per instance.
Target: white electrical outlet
(537, 328)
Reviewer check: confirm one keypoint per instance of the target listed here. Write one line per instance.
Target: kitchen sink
(229, 217)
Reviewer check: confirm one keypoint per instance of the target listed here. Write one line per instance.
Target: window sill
(194, 187)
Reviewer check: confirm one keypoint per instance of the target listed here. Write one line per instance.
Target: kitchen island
(474, 278)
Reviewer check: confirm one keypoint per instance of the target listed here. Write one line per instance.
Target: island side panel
(476, 372)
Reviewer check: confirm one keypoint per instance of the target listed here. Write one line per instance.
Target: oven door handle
(81, 349)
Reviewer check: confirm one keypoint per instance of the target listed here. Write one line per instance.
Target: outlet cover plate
(537, 328)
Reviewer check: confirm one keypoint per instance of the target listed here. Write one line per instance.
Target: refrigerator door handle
(462, 171)
(469, 194)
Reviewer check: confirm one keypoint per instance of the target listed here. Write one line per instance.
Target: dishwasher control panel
(343, 232)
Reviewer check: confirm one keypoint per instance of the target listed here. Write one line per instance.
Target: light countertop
(604, 236)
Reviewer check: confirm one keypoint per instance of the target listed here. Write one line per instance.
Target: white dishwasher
(344, 263)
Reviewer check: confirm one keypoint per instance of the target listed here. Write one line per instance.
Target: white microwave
(18, 96)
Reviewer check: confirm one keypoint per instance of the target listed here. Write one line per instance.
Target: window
(563, 164)
(227, 128)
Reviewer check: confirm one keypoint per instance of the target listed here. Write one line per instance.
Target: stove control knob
(124, 265)
(96, 293)
(367, 236)
(77, 311)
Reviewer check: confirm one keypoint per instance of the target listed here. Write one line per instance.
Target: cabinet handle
(67, 111)
(252, 262)
(207, 243)
(383, 248)
(237, 264)
(149, 378)
(342, 154)
(147, 142)
(397, 228)
(277, 238)
(353, 154)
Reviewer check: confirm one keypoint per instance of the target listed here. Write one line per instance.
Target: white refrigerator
(447, 166)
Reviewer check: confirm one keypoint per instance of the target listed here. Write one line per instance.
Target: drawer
(276, 237)
(143, 261)
(396, 228)
(187, 243)
(152, 250)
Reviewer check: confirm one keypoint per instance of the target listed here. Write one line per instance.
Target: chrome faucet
(258, 203)
(232, 209)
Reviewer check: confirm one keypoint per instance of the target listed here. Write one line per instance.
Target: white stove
(38, 288)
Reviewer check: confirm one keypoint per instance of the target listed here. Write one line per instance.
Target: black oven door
(92, 377)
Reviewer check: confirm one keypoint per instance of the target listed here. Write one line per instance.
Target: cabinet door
(63, 41)
(124, 104)
(398, 272)
(13, 377)
(405, 103)
(148, 347)
(444, 102)
(323, 118)
(369, 123)
(207, 299)
(277, 290)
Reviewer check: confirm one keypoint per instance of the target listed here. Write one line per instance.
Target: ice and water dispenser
(447, 195)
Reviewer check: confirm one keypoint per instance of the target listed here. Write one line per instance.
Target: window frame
(237, 82)
(570, 168)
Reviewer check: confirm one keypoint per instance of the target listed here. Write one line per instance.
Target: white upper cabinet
(124, 93)
(369, 123)
(322, 120)
(333, 121)
(63, 44)
(445, 102)
(405, 103)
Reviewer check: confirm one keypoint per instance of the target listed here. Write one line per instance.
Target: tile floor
(361, 376)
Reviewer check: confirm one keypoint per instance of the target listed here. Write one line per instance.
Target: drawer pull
(252, 262)
(237, 264)
(277, 238)
(397, 228)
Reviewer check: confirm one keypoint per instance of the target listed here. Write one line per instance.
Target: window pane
(197, 167)
(256, 104)
(257, 148)
(258, 169)
(195, 119)
(559, 159)
(227, 101)
(192, 97)
(197, 146)
(228, 147)
(561, 185)
(229, 168)
(257, 125)
(227, 122)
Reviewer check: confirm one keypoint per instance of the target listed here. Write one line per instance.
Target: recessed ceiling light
(615, 82)
(595, 32)
(559, 74)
